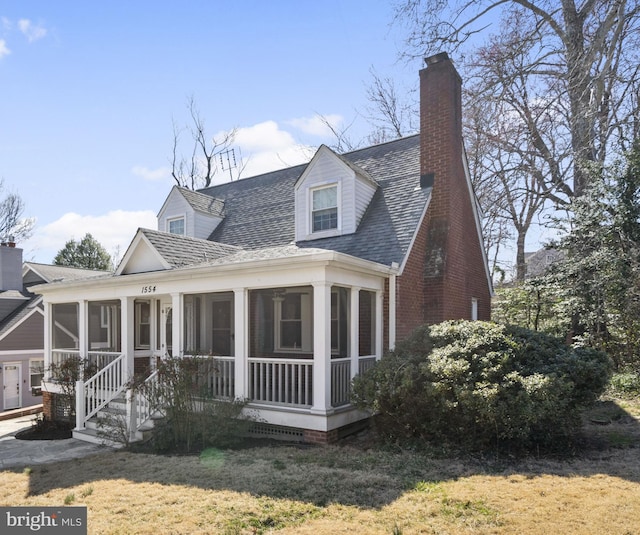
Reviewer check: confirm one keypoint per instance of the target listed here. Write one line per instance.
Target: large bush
(481, 385)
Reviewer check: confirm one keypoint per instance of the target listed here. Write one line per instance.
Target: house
(538, 262)
(22, 325)
(292, 282)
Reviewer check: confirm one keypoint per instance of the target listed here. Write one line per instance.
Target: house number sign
(149, 289)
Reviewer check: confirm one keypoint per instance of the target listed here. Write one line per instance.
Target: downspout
(392, 307)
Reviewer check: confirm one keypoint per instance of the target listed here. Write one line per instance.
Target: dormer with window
(331, 195)
(190, 213)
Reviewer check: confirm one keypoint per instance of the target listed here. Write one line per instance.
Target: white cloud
(4, 50)
(266, 147)
(114, 230)
(151, 174)
(6, 23)
(263, 136)
(318, 125)
(30, 31)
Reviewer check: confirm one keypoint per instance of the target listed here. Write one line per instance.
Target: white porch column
(176, 325)
(48, 342)
(321, 348)
(241, 332)
(379, 322)
(83, 328)
(127, 335)
(354, 331)
(392, 311)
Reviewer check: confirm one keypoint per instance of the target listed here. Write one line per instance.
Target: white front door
(12, 379)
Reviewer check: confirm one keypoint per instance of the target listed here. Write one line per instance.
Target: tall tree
(88, 253)
(585, 55)
(599, 278)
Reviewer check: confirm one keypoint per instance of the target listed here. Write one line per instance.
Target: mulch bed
(46, 430)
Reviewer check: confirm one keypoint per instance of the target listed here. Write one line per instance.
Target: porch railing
(281, 381)
(340, 381)
(58, 356)
(366, 363)
(139, 407)
(95, 393)
(101, 359)
(220, 379)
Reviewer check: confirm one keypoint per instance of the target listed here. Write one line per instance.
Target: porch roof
(179, 251)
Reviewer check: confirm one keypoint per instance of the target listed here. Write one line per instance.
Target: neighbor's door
(12, 379)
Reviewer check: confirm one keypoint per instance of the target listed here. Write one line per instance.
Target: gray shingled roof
(26, 301)
(181, 251)
(51, 273)
(259, 211)
(203, 203)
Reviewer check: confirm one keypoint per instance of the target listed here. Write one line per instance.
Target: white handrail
(142, 409)
(95, 393)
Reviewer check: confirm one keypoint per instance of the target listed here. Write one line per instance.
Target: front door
(166, 329)
(12, 378)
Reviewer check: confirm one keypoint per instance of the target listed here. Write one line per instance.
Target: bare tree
(198, 168)
(390, 112)
(343, 143)
(12, 225)
(586, 55)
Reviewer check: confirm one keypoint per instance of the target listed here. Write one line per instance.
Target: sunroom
(287, 333)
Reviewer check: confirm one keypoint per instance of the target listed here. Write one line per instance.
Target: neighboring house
(293, 281)
(22, 325)
(539, 262)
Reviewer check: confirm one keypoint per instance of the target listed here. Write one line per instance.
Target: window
(176, 226)
(324, 212)
(36, 374)
(474, 309)
(293, 322)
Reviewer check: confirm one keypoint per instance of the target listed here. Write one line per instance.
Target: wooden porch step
(91, 435)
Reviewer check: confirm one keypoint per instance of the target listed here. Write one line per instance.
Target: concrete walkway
(16, 453)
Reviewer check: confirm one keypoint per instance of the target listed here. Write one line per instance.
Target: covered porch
(289, 349)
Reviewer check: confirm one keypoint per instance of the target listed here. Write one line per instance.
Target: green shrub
(481, 385)
(194, 418)
(625, 384)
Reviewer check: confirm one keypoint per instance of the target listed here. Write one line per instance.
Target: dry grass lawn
(352, 488)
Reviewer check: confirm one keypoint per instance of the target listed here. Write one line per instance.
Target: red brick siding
(445, 268)
(320, 437)
(47, 405)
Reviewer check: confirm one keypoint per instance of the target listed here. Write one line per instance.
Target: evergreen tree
(88, 253)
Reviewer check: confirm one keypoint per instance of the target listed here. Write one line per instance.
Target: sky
(89, 93)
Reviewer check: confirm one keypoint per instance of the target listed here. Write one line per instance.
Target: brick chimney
(454, 262)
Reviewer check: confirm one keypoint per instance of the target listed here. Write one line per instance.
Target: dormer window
(324, 212)
(176, 225)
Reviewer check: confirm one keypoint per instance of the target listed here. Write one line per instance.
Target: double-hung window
(293, 324)
(176, 226)
(36, 374)
(324, 211)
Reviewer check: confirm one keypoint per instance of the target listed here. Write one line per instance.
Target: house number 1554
(148, 289)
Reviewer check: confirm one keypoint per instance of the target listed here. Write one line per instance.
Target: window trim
(35, 390)
(326, 232)
(175, 219)
(306, 324)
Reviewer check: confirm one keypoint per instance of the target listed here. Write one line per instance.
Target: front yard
(353, 488)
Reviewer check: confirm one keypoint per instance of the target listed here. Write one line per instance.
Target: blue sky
(89, 92)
